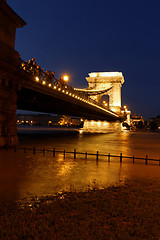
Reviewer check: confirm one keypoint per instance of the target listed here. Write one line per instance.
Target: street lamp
(65, 78)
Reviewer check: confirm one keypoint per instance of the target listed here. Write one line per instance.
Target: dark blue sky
(78, 37)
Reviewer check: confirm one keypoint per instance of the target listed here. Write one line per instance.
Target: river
(25, 175)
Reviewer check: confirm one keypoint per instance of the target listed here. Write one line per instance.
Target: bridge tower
(111, 80)
(9, 80)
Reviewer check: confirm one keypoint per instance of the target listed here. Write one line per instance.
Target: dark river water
(25, 175)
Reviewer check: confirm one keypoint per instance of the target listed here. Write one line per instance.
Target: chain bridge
(20, 88)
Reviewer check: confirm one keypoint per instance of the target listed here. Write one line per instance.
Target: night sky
(79, 37)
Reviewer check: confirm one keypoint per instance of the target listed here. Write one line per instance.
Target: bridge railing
(47, 79)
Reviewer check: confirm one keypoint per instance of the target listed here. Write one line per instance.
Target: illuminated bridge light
(59, 89)
(75, 96)
(55, 87)
(106, 74)
(62, 90)
(43, 82)
(66, 92)
(49, 84)
(37, 79)
(78, 97)
(72, 95)
(65, 86)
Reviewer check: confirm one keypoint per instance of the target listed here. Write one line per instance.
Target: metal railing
(75, 153)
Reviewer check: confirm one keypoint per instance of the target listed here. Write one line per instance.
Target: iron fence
(76, 153)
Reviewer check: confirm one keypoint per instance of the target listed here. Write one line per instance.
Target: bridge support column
(111, 80)
(115, 98)
(101, 126)
(9, 71)
(8, 107)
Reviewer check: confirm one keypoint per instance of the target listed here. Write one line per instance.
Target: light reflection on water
(26, 175)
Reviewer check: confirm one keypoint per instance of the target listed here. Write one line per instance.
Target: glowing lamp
(65, 78)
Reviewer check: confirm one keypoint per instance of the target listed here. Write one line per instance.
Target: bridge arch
(107, 80)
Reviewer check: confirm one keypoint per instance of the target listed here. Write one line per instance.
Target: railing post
(86, 155)
(74, 153)
(43, 151)
(120, 157)
(53, 152)
(109, 157)
(64, 153)
(34, 150)
(97, 156)
(133, 159)
(146, 159)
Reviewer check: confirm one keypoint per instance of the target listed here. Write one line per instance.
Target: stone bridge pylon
(9, 74)
(107, 83)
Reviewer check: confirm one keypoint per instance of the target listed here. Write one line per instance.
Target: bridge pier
(9, 74)
(101, 126)
(8, 107)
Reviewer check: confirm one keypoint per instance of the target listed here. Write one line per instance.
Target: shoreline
(129, 211)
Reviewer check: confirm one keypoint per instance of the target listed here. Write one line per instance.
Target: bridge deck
(64, 100)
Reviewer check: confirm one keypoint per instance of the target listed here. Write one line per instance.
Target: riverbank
(129, 211)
